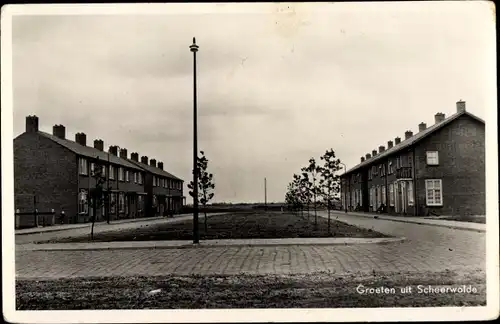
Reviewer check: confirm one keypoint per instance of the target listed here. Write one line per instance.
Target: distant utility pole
(265, 193)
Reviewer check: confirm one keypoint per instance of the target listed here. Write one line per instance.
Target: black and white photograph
(249, 162)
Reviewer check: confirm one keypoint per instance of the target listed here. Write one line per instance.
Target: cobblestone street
(426, 247)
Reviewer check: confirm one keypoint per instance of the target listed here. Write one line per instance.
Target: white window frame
(120, 174)
(384, 196)
(111, 172)
(430, 184)
(409, 189)
(391, 194)
(83, 204)
(390, 168)
(432, 157)
(127, 176)
(83, 166)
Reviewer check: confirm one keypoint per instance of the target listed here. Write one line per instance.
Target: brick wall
(461, 167)
(47, 170)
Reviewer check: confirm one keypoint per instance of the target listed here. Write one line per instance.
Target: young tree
(97, 192)
(205, 184)
(330, 181)
(311, 174)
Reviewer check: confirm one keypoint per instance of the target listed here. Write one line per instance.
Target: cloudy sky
(277, 84)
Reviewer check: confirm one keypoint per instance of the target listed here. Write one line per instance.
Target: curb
(89, 247)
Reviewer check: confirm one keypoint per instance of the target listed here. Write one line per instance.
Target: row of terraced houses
(52, 172)
(440, 170)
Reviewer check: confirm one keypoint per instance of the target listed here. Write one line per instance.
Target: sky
(277, 83)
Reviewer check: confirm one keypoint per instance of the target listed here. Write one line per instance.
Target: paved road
(427, 248)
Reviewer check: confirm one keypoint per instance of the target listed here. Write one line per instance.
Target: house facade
(52, 172)
(440, 170)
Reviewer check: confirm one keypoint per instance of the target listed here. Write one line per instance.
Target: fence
(28, 215)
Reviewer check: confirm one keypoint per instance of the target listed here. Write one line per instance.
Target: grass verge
(235, 226)
(320, 290)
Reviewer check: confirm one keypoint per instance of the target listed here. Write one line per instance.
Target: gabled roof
(152, 169)
(90, 152)
(413, 140)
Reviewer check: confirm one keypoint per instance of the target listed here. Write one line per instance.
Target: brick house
(438, 171)
(164, 190)
(53, 172)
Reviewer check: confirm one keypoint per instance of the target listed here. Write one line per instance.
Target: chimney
(59, 131)
(439, 117)
(362, 159)
(389, 144)
(144, 159)
(381, 149)
(368, 155)
(81, 139)
(123, 153)
(99, 144)
(152, 163)
(408, 134)
(134, 157)
(422, 126)
(397, 140)
(31, 124)
(374, 152)
(113, 149)
(460, 106)
(160, 165)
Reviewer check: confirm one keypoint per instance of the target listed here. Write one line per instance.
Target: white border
(247, 315)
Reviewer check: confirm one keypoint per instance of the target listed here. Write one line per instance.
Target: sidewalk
(43, 235)
(35, 230)
(418, 220)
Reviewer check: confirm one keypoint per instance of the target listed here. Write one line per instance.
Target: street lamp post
(345, 193)
(194, 48)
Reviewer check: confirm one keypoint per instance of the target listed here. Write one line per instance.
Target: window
(112, 203)
(391, 194)
(83, 203)
(380, 170)
(139, 177)
(369, 174)
(140, 203)
(103, 171)
(120, 174)
(164, 183)
(434, 194)
(432, 158)
(82, 166)
(92, 168)
(154, 181)
(398, 162)
(127, 176)
(371, 196)
(135, 177)
(410, 193)
(383, 195)
(126, 205)
(111, 172)
(391, 171)
(121, 202)
(361, 197)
